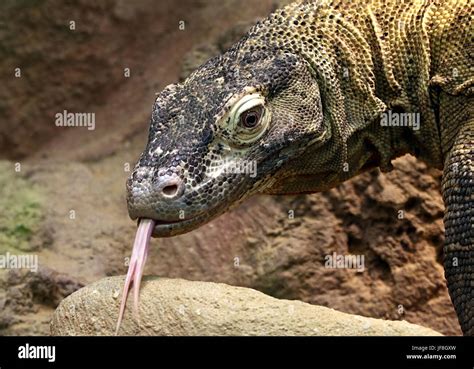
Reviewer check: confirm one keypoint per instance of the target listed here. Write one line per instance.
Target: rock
(179, 307)
(28, 299)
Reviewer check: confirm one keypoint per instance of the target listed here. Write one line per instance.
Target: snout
(177, 204)
(162, 199)
(157, 197)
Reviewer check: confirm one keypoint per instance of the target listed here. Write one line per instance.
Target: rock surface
(176, 307)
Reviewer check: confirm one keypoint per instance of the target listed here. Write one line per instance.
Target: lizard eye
(251, 118)
(248, 120)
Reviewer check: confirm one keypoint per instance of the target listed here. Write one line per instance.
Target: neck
(353, 62)
(365, 78)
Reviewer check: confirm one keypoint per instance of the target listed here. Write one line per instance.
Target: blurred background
(62, 189)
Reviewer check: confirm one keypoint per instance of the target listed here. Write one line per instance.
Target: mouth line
(162, 222)
(168, 228)
(165, 223)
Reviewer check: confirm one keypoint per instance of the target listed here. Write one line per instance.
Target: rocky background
(62, 192)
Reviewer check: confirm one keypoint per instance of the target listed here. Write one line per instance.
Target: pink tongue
(137, 264)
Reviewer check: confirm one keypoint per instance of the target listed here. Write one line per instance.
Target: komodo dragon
(314, 95)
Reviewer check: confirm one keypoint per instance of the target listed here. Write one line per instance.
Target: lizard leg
(458, 195)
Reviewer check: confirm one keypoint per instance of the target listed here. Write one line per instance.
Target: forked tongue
(137, 264)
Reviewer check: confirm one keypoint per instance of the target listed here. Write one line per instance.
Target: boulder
(177, 307)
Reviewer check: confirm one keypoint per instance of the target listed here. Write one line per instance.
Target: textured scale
(327, 70)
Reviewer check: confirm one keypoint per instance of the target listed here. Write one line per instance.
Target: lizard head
(221, 136)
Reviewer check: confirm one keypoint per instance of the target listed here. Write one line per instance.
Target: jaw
(173, 228)
(170, 228)
(166, 228)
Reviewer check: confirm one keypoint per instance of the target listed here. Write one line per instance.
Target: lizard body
(315, 94)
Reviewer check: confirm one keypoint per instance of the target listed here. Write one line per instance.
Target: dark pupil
(250, 119)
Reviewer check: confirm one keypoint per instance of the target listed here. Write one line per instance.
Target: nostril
(168, 187)
(170, 190)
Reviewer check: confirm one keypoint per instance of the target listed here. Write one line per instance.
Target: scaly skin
(303, 96)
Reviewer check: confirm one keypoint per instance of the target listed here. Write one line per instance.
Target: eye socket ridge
(247, 120)
(248, 112)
